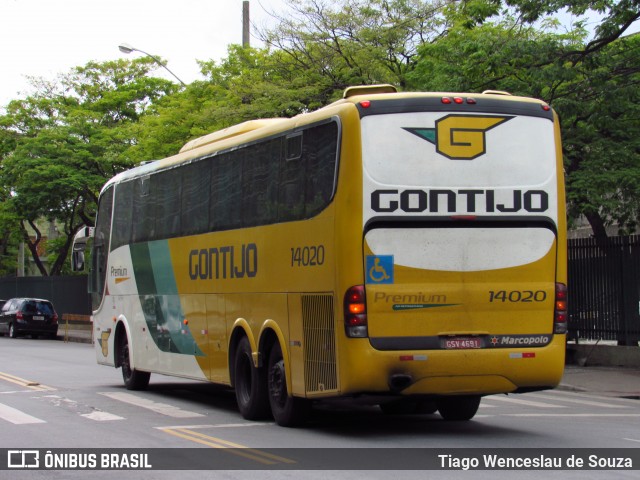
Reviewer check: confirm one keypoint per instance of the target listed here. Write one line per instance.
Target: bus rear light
(458, 100)
(561, 309)
(357, 308)
(355, 312)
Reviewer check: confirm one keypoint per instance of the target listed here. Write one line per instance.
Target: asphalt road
(54, 396)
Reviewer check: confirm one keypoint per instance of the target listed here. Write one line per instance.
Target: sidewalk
(75, 333)
(608, 381)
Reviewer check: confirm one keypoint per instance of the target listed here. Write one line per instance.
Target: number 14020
(517, 296)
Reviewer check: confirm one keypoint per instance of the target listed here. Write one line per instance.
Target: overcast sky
(46, 37)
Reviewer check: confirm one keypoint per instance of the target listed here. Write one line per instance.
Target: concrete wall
(603, 355)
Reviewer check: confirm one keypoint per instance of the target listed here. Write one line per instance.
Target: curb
(73, 339)
(565, 387)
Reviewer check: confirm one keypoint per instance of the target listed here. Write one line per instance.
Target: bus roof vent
(368, 90)
(229, 132)
(496, 92)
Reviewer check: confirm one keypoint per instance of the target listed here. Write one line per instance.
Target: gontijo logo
(460, 137)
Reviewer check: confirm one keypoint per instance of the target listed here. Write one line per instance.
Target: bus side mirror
(78, 248)
(77, 261)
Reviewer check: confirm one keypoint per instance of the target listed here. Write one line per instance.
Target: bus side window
(123, 215)
(166, 199)
(143, 220)
(293, 147)
(100, 248)
(260, 173)
(291, 195)
(226, 192)
(196, 180)
(321, 151)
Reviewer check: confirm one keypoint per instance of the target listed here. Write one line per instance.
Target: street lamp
(126, 48)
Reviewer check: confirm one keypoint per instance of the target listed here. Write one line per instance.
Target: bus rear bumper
(461, 385)
(442, 372)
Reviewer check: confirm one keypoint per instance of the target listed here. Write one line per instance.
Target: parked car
(28, 316)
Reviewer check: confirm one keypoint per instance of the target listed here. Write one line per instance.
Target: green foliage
(594, 92)
(247, 84)
(356, 42)
(61, 144)
(501, 56)
(602, 137)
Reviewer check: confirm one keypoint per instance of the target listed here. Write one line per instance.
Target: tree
(62, 143)
(248, 84)
(601, 131)
(617, 15)
(356, 42)
(594, 90)
(316, 50)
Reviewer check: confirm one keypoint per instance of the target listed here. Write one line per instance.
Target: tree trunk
(599, 230)
(33, 246)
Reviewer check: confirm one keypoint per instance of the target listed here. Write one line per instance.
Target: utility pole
(245, 24)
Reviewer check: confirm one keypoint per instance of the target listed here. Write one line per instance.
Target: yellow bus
(406, 250)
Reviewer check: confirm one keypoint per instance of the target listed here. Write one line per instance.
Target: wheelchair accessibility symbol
(380, 269)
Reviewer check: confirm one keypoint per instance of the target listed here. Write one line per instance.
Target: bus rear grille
(319, 343)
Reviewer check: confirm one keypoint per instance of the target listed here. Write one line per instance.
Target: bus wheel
(458, 408)
(287, 411)
(250, 384)
(133, 379)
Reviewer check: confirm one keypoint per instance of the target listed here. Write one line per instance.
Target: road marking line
(25, 383)
(632, 439)
(528, 403)
(580, 401)
(161, 408)
(16, 391)
(596, 395)
(101, 416)
(219, 425)
(241, 450)
(17, 417)
(570, 414)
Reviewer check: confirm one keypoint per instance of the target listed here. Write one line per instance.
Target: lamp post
(126, 48)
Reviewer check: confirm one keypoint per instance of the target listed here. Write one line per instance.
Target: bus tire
(133, 379)
(250, 384)
(288, 411)
(460, 408)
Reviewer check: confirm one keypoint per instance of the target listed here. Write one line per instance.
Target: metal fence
(604, 289)
(68, 294)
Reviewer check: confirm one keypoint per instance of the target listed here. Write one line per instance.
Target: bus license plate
(462, 342)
